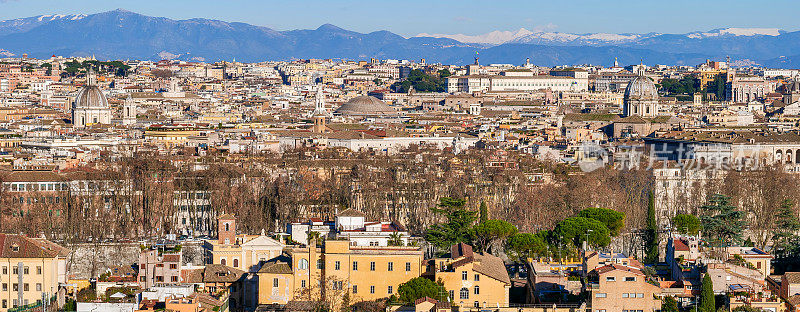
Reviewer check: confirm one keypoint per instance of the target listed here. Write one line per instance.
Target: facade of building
(338, 268)
(242, 252)
(474, 280)
(29, 269)
(159, 266)
(620, 288)
(525, 81)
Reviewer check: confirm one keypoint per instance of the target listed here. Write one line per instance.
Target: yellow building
(473, 279)
(244, 252)
(361, 273)
(29, 267)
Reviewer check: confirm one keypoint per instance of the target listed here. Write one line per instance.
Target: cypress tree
(651, 232)
(707, 303)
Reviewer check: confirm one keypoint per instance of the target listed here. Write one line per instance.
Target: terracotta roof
(461, 250)
(792, 277)
(21, 246)
(214, 273)
(611, 267)
(227, 217)
(352, 213)
(278, 265)
(493, 267)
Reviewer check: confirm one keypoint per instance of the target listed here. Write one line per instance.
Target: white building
(517, 80)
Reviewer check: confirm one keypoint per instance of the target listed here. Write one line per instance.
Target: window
(610, 278)
(391, 266)
(223, 262)
(320, 264)
(274, 282)
(389, 290)
(15, 287)
(371, 289)
(477, 277)
(5, 286)
(355, 289)
(337, 265)
(463, 275)
(302, 264)
(600, 295)
(235, 263)
(303, 284)
(625, 295)
(630, 278)
(408, 266)
(5, 270)
(5, 303)
(355, 266)
(639, 295)
(39, 270)
(452, 295)
(25, 287)
(142, 279)
(464, 293)
(15, 270)
(174, 266)
(372, 266)
(476, 304)
(477, 290)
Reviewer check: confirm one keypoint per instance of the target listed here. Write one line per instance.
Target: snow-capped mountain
(28, 23)
(559, 38)
(494, 37)
(736, 32)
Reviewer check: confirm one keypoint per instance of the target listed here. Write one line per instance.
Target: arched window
(227, 226)
(235, 263)
(302, 264)
(464, 293)
(477, 290)
(223, 262)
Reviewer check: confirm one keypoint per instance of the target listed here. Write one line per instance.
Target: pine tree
(651, 232)
(725, 225)
(707, 303)
(786, 224)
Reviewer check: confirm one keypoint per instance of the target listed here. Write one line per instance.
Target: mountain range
(122, 34)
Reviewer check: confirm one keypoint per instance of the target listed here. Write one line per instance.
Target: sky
(411, 17)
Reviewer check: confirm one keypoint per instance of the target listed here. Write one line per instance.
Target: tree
(395, 239)
(457, 229)
(786, 225)
(487, 233)
(686, 224)
(579, 229)
(522, 246)
(612, 219)
(420, 287)
(707, 303)
(484, 212)
(651, 232)
(669, 304)
(725, 225)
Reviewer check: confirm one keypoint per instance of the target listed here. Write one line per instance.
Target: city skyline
(468, 18)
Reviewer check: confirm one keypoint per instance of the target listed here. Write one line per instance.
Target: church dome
(365, 105)
(794, 87)
(641, 88)
(90, 96)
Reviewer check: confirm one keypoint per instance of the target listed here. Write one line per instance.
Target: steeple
(616, 63)
(319, 113)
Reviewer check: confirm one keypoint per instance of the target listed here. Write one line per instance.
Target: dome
(90, 96)
(641, 88)
(365, 105)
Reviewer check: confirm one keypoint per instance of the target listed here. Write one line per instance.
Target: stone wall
(90, 260)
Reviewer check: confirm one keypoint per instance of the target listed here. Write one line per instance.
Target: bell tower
(226, 229)
(319, 113)
(129, 111)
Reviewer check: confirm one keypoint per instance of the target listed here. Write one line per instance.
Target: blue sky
(410, 17)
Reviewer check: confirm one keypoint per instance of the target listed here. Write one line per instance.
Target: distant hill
(121, 34)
